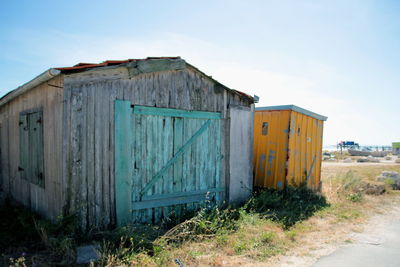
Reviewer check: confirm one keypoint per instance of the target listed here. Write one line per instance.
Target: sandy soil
(325, 240)
(328, 240)
(354, 163)
(329, 235)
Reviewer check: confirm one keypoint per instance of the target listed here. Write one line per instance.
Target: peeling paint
(292, 140)
(262, 159)
(271, 156)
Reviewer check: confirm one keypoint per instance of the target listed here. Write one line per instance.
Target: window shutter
(36, 148)
(23, 146)
(40, 148)
(31, 146)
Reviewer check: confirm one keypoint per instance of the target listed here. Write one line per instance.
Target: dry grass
(248, 238)
(326, 228)
(262, 242)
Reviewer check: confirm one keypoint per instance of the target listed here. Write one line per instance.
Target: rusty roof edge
(41, 78)
(80, 67)
(53, 72)
(127, 63)
(239, 93)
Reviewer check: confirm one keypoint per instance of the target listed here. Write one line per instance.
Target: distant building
(396, 148)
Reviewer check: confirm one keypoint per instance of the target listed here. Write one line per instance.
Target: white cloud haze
(312, 87)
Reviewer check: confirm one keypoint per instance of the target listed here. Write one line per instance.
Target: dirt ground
(349, 218)
(328, 233)
(328, 239)
(328, 236)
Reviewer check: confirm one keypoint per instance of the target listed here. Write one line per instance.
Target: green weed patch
(287, 206)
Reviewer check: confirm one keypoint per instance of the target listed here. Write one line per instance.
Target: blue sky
(337, 58)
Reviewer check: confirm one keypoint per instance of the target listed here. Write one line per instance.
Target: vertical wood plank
(90, 152)
(66, 154)
(24, 148)
(39, 152)
(84, 178)
(33, 147)
(106, 157)
(178, 136)
(98, 190)
(137, 165)
(111, 148)
(123, 166)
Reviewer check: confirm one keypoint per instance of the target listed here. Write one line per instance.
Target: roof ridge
(110, 62)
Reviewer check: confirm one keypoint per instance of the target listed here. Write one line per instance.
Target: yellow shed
(287, 147)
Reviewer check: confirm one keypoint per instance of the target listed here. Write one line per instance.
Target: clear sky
(337, 58)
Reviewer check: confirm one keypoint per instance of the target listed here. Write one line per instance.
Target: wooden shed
(287, 147)
(125, 141)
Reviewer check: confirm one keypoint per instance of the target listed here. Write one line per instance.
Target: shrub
(350, 181)
(206, 223)
(268, 237)
(22, 231)
(355, 197)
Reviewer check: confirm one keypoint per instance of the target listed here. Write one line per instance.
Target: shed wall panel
(240, 160)
(90, 137)
(270, 149)
(78, 136)
(48, 200)
(305, 150)
(4, 144)
(291, 152)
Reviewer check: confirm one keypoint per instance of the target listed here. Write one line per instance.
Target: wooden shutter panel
(31, 173)
(23, 146)
(31, 148)
(40, 151)
(35, 123)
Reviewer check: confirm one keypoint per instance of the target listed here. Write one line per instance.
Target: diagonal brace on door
(180, 152)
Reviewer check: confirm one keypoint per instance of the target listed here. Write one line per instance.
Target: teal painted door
(166, 161)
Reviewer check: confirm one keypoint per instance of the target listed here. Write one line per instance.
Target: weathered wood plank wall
(48, 200)
(89, 127)
(241, 153)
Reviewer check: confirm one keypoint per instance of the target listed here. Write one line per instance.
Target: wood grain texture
(184, 89)
(47, 200)
(145, 170)
(241, 170)
(123, 151)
